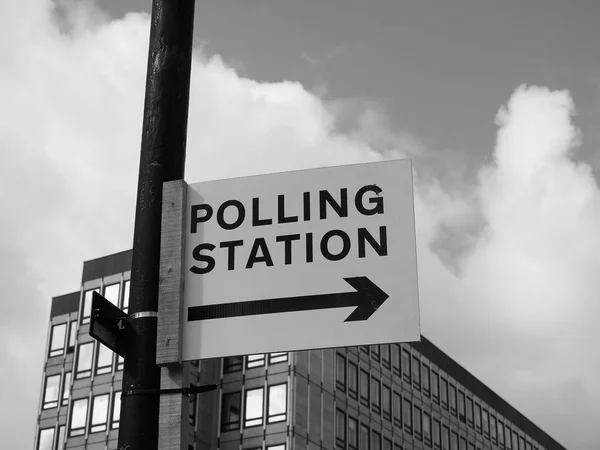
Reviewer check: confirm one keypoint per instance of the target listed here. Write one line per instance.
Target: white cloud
(507, 268)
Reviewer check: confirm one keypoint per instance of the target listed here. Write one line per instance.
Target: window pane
(417, 420)
(51, 391)
(276, 447)
(387, 401)
(340, 428)
(352, 432)
(255, 361)
(78, 417)
(277, 403)
(375, 440)
(111, 293)
(125, 295)
(84, 360)
(375, 394)
(104, 362)
(231, 411)
(278, 357)
(87, 305)
(120, 362)
(60, 442)
(461, 406)
(444, 392)
(364, 437)
(426, 427)
(396, 358)
(452, 392)
(254, 407)
(46, 439)
(192, 409)
(385, 355)
(233, 364)
(66, 389)
(72, 334)
(406, 365)
(116, 409)
(364, 387)
(340, 371)
(57, 340)
(352, 379)
(434, 385)
(99, 413)
(397, 409)
(407, 415)
(416, 371)
(425, 377)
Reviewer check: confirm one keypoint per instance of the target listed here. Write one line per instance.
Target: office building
(378, 397)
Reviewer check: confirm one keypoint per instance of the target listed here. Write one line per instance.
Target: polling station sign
(298, 260)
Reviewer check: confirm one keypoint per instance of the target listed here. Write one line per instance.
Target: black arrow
(367, 298)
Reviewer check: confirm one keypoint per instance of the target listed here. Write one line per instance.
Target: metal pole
(162, 158)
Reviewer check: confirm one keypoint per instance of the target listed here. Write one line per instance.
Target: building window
(125, 296)
(436, 431)
(277, 403)
(66, 388)
(461, 406)
(507, 439)
(444, 392)
(522, 443)
(452, 393)
(435, 389)
(104, 360)
(352, 432)
(445, 438)
(255, 361)
(233, 364)
(485, 422)
(406, 365)
(352, 379)
(99, 413)
(397, 408)
(427, 428)
(417, 420)
(416, 372)
(462, 443)
(375, 440)
(51, 391)
(425, 378)
(340, 372)
(231, 411)
(387, 444)
(453, 441)
(57, 339)
(60, 441)
(364, 437)
(470, 411)
(84, 360)
(340, 428)
(375, 352)
(364, 349)
(385, 355)
(493, 428)
(192, 409)
(87, 305)
(253, 407)
(477, 417)
(120, 362)
(386, 399)
(364, 388)
(500, 433)
(72, 336)
(111, 293)
(78, 417)
(407, 415)
(46, 439)
(396, 359)
(376, 395)
(116, 410)
(276, 447)
(278, 357)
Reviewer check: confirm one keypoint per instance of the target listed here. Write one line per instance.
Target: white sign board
(298, 260)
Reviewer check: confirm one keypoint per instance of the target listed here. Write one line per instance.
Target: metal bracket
(107, 323)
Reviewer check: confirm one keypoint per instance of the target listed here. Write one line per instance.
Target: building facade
(378, 397)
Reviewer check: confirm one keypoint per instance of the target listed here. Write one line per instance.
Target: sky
(496, 102)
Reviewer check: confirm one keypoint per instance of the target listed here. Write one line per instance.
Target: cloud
(507, 263)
